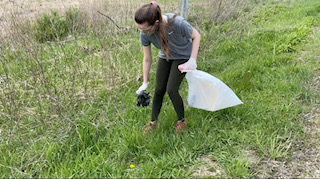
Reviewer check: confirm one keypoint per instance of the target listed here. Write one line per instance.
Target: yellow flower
(131, 166)
(249, 71)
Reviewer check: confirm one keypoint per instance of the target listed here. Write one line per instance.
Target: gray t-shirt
(179, 36)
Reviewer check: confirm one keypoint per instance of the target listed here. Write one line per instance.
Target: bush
(51, 27)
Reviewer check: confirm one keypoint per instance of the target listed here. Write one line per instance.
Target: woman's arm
(191, 64)
(147, 60)
(146, 64)
(195, 43)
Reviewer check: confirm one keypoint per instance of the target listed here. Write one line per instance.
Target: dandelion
(131, 166)
(249, 71)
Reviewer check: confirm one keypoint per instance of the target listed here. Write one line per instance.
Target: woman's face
(146, 28)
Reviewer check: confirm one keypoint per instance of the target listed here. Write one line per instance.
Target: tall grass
(67, 104)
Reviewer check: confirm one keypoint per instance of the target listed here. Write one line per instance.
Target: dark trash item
(143, 99)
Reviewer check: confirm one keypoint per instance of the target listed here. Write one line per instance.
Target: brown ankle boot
(152, 125)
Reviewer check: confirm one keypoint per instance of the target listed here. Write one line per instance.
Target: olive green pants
(168, 79)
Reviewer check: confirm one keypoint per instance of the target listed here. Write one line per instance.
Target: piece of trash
(143, 99)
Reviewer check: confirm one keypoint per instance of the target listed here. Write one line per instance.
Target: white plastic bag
(208, 92)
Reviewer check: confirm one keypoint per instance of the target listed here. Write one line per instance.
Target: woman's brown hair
(150, 13)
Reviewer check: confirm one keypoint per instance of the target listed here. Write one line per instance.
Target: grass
(68, 109)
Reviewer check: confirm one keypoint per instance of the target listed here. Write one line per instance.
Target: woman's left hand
(191, 64)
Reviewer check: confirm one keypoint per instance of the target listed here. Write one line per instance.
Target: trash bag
(143, 99)
(208, 92)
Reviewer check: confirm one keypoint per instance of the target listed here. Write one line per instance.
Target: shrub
(51, 27)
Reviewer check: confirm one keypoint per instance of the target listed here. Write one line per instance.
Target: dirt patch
(305, 159)
(208, 168)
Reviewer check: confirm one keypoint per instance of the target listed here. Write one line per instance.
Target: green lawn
(68, 108)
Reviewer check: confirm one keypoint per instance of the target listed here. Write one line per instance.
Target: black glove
(143, 99)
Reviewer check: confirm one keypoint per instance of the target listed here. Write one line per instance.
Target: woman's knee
(172, 92)
(159, 91)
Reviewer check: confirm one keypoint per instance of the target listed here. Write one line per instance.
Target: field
(68, 77)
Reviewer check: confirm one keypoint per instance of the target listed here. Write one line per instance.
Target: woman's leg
(174, 82)
(162, 74)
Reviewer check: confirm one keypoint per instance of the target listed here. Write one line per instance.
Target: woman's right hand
(191, 64)
(143, 87)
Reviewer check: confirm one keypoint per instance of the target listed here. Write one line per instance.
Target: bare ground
(305, 159)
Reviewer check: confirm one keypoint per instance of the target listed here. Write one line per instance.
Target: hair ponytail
(150, 13)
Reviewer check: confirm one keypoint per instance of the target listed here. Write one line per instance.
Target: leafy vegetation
(53, 26)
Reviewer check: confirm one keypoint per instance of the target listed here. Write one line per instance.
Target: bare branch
(110, 19)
